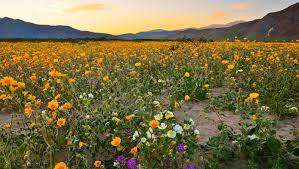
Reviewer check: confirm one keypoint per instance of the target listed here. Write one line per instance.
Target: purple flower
(180, 147)
(121, 159)
(190, 166)
(128, 130)
(131, 163)
(293, 121)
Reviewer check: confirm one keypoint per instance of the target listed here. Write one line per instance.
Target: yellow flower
(116, 141)
(206, 85)
(61, 122)
(254, 117)
(71, 80)
(60, 165)
(138, 64)
(7, 125)
(81, 144)
(97, 163)
(53, 105)
(187, 98)
(230, 66)
(176, 105)
(3, 97)
(253, 95)
(154, 123)
(187, 74)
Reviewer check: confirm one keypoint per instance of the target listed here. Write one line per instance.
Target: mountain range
(281, 25)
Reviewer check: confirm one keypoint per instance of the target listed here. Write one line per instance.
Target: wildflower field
(149, 105)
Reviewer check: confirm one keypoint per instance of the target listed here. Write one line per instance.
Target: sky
(131, 16)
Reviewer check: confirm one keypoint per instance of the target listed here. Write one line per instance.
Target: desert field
(149, 105)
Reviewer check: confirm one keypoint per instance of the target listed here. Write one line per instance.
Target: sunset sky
(131, 16)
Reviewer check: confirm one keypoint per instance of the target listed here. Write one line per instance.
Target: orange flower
(61, 122)
(7, 80)
(69, 142)
(60, 165)
(33, 78)
(31, 97)
(21, 84)
(116, 141)
(106, 78)
(100, 60)
(28, 111)
(129, 117)
(53, 105)
(7, 125)
(97, 163)
(66, 106)
(154, 124)
(134, 150)
(71, 80)
(224, 62)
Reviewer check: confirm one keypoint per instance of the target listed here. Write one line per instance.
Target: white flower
(81, 96)
(191, 121)
(178, 129)
(87, 117)
(90, 96)
(171, 134)
(265, 109)
(252, 137)
(187, 126)
(161, 81)
(294, 109)
(116, 163)
(143, 139)
(240, 70)
(115, 119)
(150, 134)
(136, 134)
(158, 116)
(162, 126)
(156, 103)
(196, 132)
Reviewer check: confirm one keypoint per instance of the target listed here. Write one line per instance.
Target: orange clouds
(216, 16)
(86, 7)
(240, 6)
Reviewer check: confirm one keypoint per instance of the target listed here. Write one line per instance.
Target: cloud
(216, 16)
(243, 6)
(86, 7)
